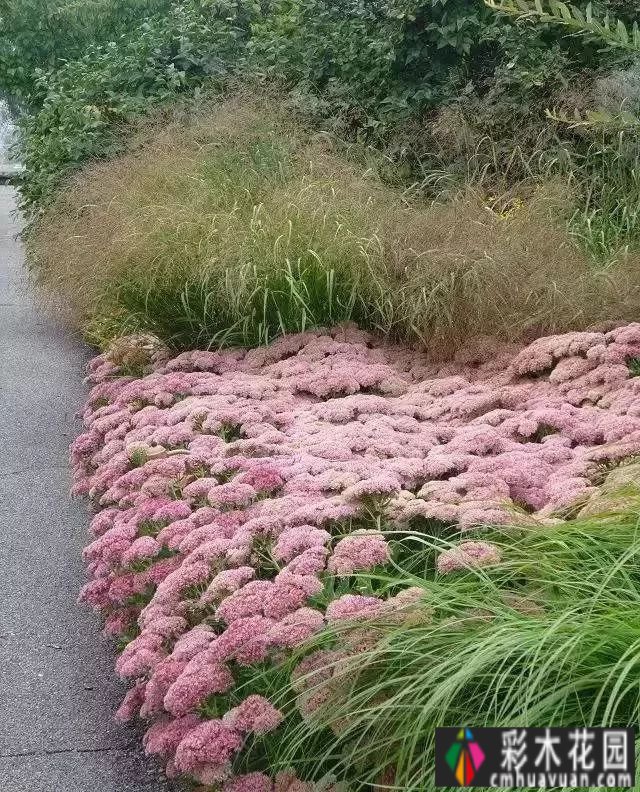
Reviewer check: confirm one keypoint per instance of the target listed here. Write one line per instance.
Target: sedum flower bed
(239, 493)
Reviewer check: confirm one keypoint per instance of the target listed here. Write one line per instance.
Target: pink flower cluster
(225, 483)
(468, 555)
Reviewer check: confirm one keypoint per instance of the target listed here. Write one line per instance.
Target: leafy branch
(611, 31)
(598, 119)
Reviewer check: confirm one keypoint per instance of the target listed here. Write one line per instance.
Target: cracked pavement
(58, 691)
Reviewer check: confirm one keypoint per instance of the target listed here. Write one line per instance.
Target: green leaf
(622, 32)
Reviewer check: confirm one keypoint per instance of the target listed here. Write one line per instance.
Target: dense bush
(41, 35)
(372, 64)
(389, 72)
(384, 59)
(76, 107)
(452, 91)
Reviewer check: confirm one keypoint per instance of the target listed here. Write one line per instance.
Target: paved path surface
(58, 692)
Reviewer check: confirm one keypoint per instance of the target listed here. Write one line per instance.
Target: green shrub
(602, 158)
(453, 96)
(376, 72)
(374, 64)
(40, 35)
(82, 103)
(388, 73)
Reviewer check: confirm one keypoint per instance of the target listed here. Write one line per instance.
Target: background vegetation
(441, 86)
(431, 169)
(77, 71)
(448, 128)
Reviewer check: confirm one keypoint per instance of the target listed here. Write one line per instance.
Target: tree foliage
(73, 109)
(39, 35)
(378, 71)
(611, 32)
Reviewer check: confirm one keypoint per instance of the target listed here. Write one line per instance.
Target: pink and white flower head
(133, 700)
(468, 555)
(246, 640)
(255, 714)
(296, 628)
(142, 549)
(226, 582)
(357, 553)
(354, 606)
(295, 541)
(231, 494)
(379, 485)
(164, 675)
(163, 737)
(251, 782)
(211, 743)
(263, 478)
(195, 684)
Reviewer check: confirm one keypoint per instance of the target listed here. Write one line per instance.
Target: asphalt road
(58, 692)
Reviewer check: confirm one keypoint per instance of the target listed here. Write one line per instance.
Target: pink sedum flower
(379, 485)
(295, 541)
(95, 593)
(231, 494)
(164, 675)
(226, 582)
(245, 640)
(468, 555)
(119, 622)
(246, 601)
(131, 704)
(164, 736)
(357, 553)
(209, 743)
(289, 445)
(251, 782)
(255, 714)
(263, 478)
(193, 686)
(193, 642)
(146, 547)
(353, 606)
(296, 628)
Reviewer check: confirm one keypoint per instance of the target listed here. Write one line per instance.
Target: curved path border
(57, 690)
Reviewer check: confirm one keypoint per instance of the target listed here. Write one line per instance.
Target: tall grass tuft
(238, 224)
(607, 175)
(550, 636)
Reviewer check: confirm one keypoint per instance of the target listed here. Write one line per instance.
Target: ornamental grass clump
(274, 479)
(238, 224)
(229, 228)
(547, 634)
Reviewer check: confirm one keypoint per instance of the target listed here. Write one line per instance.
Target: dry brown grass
(237, 224)
(510, 271)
